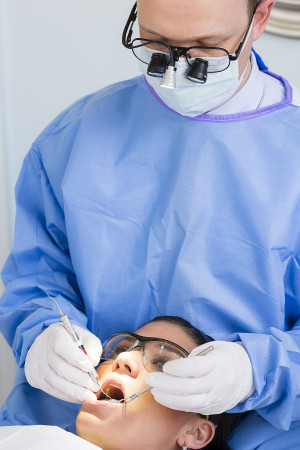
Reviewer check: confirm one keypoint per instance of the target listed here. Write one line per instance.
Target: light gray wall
(7, 364)
(281, 55)
(53, 52)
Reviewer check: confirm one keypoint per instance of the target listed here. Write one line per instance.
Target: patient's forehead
(169, 331)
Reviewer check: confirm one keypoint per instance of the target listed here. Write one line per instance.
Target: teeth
(114, 392)
(109, 387)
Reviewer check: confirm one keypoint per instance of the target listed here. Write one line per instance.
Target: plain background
(53, 52)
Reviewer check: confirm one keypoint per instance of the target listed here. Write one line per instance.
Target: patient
(144, 423)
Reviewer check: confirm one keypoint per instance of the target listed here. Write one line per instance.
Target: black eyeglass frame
(142, 342)
(176, 52)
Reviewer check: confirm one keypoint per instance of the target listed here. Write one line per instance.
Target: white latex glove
(57, 366)
(210, 384)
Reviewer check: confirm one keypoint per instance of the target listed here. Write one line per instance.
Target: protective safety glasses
(155, 352)
(161, 55)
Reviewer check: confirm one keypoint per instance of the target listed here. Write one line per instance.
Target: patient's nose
(128, 363)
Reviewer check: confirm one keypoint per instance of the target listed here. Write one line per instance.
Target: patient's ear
(196, 433)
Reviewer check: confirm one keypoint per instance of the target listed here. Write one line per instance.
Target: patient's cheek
(82, 424)
(87, 427)
(103, 369)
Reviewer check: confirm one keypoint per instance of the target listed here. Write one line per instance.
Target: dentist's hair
(252, 5)
(225, 422)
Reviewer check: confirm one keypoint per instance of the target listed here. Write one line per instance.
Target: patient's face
(142, 423)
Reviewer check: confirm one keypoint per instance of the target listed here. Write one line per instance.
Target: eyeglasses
(155, 352)
(160, 54)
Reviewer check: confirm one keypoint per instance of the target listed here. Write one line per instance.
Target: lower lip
(102, 404)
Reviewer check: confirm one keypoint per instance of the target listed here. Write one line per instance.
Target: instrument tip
(60, 311)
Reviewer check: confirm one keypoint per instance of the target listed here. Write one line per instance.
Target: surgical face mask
(190, 98)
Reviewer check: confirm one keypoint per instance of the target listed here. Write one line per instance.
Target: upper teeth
(110, 392)
(108, 388)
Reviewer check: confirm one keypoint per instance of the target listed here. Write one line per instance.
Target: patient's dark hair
(225, 422)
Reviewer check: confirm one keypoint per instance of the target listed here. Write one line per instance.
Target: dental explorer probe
(71, 330)
(130, 397)
(147, 388)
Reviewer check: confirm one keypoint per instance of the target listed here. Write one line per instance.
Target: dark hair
(224, 422)
(251, 6)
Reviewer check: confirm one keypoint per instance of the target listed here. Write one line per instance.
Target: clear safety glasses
(159, 55)
(155, 352)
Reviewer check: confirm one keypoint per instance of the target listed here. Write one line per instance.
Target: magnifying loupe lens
(144, 50)
(198, 71)
(158, 65)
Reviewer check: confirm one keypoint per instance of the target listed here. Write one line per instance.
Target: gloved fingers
(38, 380)
(92, 345)
(46, 387)
(188, 403)
(71, 373)
(63, 396)
(228, 380)
(199, 404)
(165, 383)
(73, 392)
(64, 346)
(193, 366)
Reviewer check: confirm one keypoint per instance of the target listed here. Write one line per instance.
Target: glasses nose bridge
(140, 345)
(124, 363)
(135, 346)
(178, 52)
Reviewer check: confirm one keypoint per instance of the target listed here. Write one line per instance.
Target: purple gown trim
(240, 116)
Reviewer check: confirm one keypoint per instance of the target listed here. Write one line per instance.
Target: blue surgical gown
(127, 210)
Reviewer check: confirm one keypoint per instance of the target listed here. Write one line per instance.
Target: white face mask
(190, 98)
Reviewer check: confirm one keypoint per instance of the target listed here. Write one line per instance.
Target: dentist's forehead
(190, 19)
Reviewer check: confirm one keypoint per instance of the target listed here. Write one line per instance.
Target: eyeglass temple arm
(240, 47)
(127, 33)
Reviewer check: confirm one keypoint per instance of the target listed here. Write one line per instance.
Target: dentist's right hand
(57, 366)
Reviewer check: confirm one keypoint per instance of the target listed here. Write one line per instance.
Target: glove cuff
(248, 386)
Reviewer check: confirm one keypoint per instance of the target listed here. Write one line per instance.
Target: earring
(184, 447)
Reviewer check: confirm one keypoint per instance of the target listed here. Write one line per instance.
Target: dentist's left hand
(210, 384)
(57, 366)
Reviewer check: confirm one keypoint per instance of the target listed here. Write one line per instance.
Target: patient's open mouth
(109, 392)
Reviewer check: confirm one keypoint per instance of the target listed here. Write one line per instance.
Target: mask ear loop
(243, 74)
(249, 31)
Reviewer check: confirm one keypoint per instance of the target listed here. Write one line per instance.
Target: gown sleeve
(275, 358)
(39, 262)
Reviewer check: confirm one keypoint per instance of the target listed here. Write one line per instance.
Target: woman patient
(143, 423)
